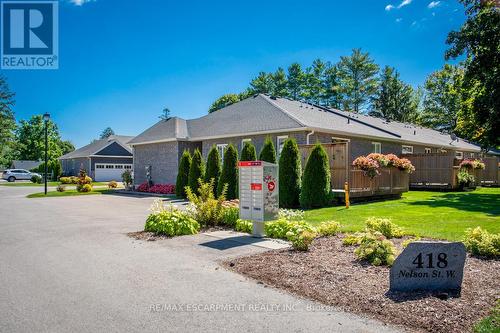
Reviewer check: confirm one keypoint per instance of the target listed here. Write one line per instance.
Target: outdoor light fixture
(46, 118)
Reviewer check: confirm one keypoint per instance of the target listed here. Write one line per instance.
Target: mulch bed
(330, 273)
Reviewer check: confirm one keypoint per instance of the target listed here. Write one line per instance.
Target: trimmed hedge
(248, 152)
(213, 168)
(229, 174)
(196, 171)
(183, 174)
(268, 153)
(289, 174)
(316, 180)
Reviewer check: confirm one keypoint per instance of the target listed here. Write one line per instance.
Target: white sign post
(259, 197)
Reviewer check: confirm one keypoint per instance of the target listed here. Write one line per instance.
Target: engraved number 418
(442, 260)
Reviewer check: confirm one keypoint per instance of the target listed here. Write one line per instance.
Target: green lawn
(443, 215)
(48, 184)
(68, 193)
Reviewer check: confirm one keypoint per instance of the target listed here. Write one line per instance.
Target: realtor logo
(29, 36)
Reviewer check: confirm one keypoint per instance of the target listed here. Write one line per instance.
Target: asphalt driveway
(67, 265)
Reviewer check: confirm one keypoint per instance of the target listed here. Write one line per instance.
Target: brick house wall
(163, 158)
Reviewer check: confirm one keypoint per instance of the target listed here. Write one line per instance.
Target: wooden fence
(491, 173)
(390, 182)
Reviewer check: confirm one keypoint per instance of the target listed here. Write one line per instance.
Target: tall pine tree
(316, 181)
(248, 152)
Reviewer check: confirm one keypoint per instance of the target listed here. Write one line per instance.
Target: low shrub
(328, 228)
(302, 240)
(171, 223)
(277, 229)
(61, 188)
(291, 214)
(352, 239)
(243, 226)
(478, 164)
(65, 180)
(73, 179)
(384, 226)
(112, 184)
(84, 188)
(480, 242)
(144, 187)
(376, 249)
(208, 210)
(230, 215)
(37, 179)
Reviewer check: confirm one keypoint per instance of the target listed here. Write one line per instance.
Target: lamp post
(46, 118)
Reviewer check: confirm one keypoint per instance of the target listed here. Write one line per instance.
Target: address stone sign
(434, 266)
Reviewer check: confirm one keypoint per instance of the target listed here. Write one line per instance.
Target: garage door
(106, 171)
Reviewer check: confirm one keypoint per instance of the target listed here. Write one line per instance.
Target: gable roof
(96, 146)
(261, 114)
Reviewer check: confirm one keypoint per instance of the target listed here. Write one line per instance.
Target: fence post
(346, 190)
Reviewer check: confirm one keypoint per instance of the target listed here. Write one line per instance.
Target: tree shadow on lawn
(472, 202)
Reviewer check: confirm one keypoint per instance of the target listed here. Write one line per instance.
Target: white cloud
(399, 19)
(80, 2)
(404, 3)
(433, 4)
(389, 7)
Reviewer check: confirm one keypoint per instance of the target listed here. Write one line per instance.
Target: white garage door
(106, 171)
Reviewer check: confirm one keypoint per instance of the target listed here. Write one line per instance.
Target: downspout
(307, 136)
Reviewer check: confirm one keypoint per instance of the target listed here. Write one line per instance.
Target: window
(128, 167)
(99, 166)
(221, 147)
(377, 147)
(118, 166)
(407, 150)
(428, 150)
(472, 155)
(459, 155)
(280, 141)
(110, 166)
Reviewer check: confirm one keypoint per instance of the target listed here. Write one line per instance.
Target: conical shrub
(289, 174)
(268, 153)
(183, 174)
(316, 181)
(213, 168)
(229, 174)
(248, 152)
(196, 171)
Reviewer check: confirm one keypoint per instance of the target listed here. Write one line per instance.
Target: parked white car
(12, 175)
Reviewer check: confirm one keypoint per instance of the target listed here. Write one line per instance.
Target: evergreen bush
(229, 174)
(213, 168)
(316, 181)
(289, 174)
(182, 175)
(248, 152)
(268, 153)
(196, 171)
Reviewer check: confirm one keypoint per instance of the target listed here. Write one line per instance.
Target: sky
(122, 61)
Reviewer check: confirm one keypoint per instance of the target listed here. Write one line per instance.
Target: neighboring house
(25, 165)
(104, 159)
(257, 117)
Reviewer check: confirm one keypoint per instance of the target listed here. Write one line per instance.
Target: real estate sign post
(259, 198)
